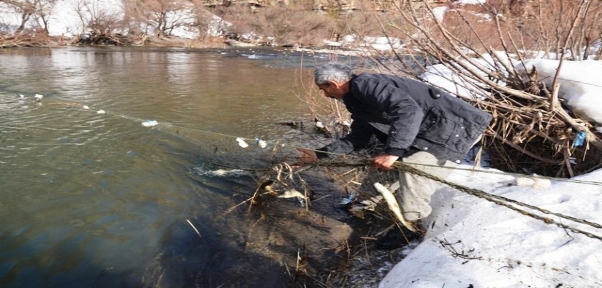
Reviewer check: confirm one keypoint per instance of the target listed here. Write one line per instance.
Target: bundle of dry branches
(21, 41)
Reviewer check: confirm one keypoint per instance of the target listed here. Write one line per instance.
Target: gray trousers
(413, 192)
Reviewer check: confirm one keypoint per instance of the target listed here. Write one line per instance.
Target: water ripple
(89, 197)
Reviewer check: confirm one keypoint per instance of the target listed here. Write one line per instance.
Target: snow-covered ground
(476, 242)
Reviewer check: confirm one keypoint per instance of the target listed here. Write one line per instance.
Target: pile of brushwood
(9, 41)
(533, 133)
(98, 38)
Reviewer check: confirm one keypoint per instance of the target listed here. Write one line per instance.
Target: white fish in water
(100, 111)
(242, 143)
(223, 172)
(292, 193)
(86, 107)
(261, 143)
(150, 123)
(220, 172)
(38, 97)
(393, 205)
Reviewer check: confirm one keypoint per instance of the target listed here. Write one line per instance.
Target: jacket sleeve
(403, 114)
(360, 136)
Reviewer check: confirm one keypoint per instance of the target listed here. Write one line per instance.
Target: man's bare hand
(309, 156)
(385, 161)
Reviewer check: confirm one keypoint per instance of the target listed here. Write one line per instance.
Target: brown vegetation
(157, 19)
(281, 25)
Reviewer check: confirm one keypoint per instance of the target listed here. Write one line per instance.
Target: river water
(91, 197)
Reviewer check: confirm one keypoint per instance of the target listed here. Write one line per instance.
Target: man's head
(333, 78)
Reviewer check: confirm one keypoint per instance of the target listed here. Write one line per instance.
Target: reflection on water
(92, 199)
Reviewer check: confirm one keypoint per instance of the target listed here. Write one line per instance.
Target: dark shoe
(396, 238)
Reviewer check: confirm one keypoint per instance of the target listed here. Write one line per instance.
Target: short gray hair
(332, 72)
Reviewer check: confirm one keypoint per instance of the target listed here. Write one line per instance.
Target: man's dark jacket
(404, 114)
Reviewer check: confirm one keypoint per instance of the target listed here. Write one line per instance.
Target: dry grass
(281, 24)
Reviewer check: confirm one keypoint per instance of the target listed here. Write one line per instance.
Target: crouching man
(418, 123)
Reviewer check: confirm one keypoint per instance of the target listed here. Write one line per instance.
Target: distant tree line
(305, 23)
(136, 21)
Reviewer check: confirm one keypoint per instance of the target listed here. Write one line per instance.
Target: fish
(393, 205)
(261, 143)
(150, 123)
(241, 142)
(292, 193)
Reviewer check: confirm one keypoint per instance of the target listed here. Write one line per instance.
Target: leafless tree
(162, 16)
(207, 23)
(44, 13)
(30, 10)
(99, 24)
(98, 20)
